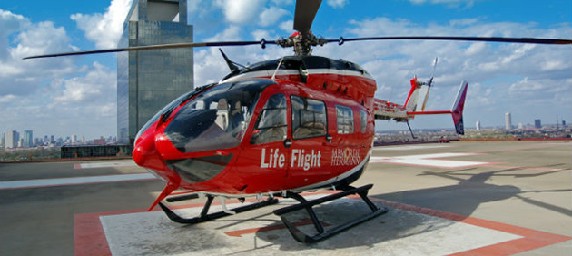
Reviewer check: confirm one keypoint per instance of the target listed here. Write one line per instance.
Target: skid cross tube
(182, 198)
(205, 216)
(324, 234)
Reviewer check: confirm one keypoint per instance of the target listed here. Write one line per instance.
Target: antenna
(277, 68)
(433, 73)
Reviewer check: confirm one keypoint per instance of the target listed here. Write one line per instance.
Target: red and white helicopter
(278, 127)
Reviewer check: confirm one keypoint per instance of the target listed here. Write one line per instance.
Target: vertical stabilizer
(458, 106)
(418, 95)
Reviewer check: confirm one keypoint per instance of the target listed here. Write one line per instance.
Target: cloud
(106, 29)
(270, 16)
(449, 3)
(462, 22)
(239, 11)
(19, 77)
(54, 95)
(287, 25)
(9, 23)
(90, 87)
(283, 2)
(7, 98)
(228, 34)
(502, 77)
(41, 38)
(337, 4)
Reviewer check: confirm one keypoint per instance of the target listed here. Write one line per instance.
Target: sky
(77, 95)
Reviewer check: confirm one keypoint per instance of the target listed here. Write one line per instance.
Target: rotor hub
(302, 43)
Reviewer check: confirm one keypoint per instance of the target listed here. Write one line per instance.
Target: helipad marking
(428, 160)
(408, 147)
(24, 184)
(530, 239)
(105, 164)
(435, 233)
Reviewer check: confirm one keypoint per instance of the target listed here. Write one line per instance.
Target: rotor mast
(303, 40)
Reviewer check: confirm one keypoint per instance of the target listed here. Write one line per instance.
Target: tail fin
(458, 106)
(418, 95)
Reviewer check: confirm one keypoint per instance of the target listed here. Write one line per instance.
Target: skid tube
(205, 216)
(322, 234)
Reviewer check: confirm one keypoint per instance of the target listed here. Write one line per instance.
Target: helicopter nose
(145, 153)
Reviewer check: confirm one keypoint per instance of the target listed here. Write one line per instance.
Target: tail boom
(385, 110)
(456, 110)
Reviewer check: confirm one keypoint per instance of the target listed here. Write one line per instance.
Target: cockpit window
(167, 110)
(272, 124)
(216, 119)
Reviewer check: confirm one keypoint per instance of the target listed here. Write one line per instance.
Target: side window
(345, 119)
(271, 124)
(308, 118)
(363, 120)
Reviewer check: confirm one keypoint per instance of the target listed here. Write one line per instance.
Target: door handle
(287, 143)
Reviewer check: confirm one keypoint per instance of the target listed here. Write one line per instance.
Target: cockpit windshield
(217, 118)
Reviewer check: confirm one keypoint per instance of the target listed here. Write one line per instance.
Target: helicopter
(277, 128)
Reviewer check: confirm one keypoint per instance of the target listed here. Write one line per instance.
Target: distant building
(508, 121)
(95, 151)
(149, 80)
(478, 125)
(564, 123)
(11, 139)
(537, 124)
(520, 126)
(28, 139)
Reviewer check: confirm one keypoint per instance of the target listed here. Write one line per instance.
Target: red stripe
(531, 240)
(89, 237)
(429, 112)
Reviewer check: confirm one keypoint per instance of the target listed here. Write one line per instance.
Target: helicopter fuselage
(294, 124)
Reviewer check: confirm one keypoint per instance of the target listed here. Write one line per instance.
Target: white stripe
(20, 184)
(105, 164)
(408, 147)
(269, 73)
(429, 160)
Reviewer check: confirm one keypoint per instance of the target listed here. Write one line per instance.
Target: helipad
(404, 230)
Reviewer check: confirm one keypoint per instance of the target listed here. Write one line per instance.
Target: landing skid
(298, 235)
(205, 216)
(321, 233)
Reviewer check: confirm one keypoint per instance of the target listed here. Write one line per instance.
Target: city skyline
(526, 124)
(78, 94)
(29, 139)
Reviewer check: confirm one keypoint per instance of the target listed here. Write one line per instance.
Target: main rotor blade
(460, 38)
(262, 43)
(304, 14)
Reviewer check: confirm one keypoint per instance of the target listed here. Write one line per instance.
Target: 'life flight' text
(299, 158)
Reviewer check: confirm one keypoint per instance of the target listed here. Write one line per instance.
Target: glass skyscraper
(149, 80)
(28, 139)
